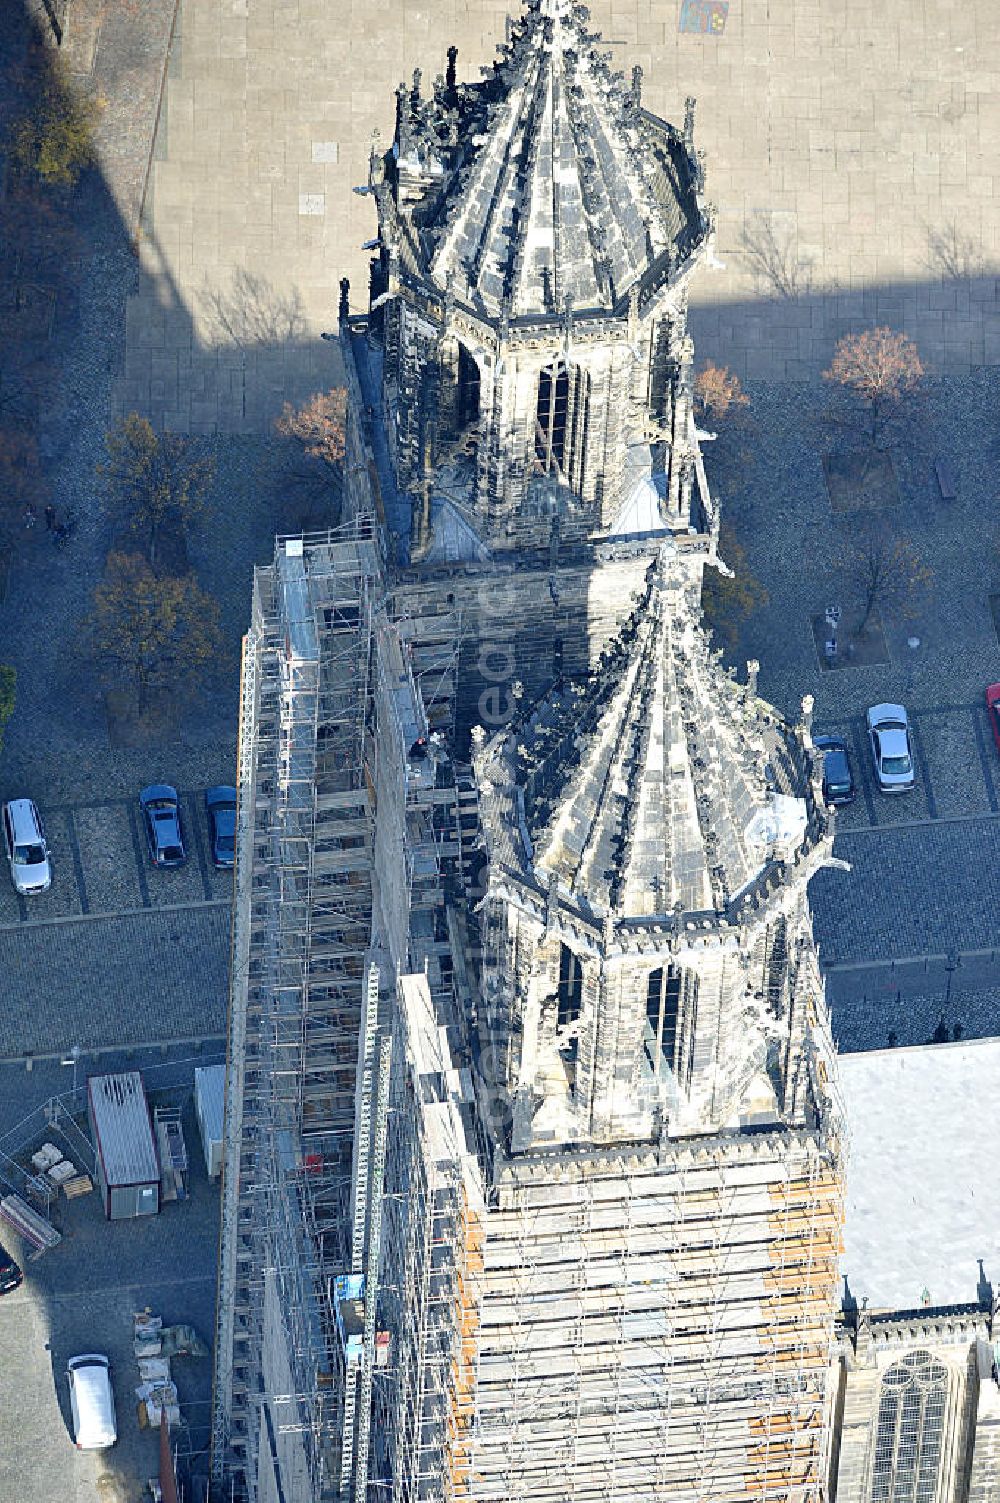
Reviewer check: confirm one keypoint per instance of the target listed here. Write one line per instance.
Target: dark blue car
(220, 806)
(161, 817)
(838, 780)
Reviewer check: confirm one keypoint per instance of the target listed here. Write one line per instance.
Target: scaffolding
(618, 1324)
(431, 1276)
(347, 712)
(659, 1326)
(300, 938)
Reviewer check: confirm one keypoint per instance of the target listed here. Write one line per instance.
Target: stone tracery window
(909, 1431)
(663, 990)
(562, 415)
(570, 989)
(671, 1014)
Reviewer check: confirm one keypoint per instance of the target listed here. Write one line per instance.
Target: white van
(91, 1401)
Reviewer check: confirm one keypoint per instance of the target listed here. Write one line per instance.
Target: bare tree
(887, 573)
(773, 257)
(319, 424)
(154, 633)
(878, 366)
(252, 312)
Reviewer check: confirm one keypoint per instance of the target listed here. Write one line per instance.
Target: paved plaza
(850, 152)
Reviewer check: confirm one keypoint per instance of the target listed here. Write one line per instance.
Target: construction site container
(128, 1169)
(209, 1103)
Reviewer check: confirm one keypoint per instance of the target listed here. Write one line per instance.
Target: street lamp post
(950, 966)
(74, 1060)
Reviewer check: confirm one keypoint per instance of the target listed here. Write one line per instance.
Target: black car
(162, 818)
(220, 807)
(10, 1274)
(838, 780)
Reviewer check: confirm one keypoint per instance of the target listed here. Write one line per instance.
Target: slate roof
(658, 784)
(547, 186)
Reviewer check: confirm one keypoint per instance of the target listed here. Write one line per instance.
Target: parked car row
(891, 751)
(28, 851)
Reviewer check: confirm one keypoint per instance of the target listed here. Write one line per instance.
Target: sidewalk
(121, 51)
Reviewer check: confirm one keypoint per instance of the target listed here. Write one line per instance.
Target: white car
(92, 1402)
(27, 852)
(892, 754)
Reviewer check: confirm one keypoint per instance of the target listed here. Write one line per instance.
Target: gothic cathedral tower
(537, 233)
(534, 1156)
(644, 1110)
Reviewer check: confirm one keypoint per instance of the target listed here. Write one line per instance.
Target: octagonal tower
(537, 232)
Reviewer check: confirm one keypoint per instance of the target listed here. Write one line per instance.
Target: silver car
(892, 754)
(27, 851)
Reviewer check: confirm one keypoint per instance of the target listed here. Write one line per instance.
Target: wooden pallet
(80, 1184)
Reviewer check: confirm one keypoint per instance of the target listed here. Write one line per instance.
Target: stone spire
(558, 190)
(658, 784)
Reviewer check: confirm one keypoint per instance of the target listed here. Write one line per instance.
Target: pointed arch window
(909, 1431)
(671, 1018)
(468, 388)
(570, 989)
(562, 416)
(460, 379)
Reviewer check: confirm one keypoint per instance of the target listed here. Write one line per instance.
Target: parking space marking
(74, 845)
(860, 753)
(985, 758)
(139, 851)
(979, 818)
(194, 825)
(925, 772)
(115, 913)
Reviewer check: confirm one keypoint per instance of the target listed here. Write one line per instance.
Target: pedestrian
(29, 515)
(50, 517)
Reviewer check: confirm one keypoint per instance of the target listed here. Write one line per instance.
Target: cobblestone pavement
(924, 864)
(854, 146)
(913, 890)
(81, 1296)
(916, 1001)
(124, 980)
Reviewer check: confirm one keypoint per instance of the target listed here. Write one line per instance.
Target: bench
(947, 483)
